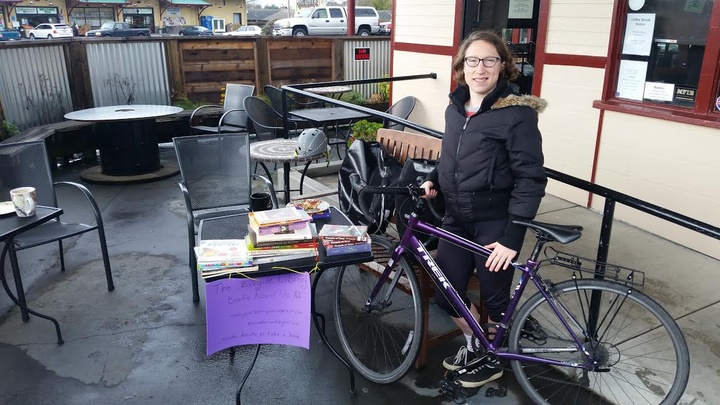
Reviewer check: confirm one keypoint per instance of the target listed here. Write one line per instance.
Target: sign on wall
(521, 9)
(362, 53)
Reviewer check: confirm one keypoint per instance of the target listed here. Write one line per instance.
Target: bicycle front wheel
(639, 351)
(381, 340)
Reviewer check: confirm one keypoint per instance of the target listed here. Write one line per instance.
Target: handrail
(611, 196)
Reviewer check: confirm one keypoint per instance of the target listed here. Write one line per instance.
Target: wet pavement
(144, 343)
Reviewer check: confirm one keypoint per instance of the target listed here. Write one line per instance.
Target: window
(365, 12)
(664, 61)
(322, 13)
(336, 13)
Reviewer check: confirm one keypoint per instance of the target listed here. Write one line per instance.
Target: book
(277, 216)
(284, 257)
(216, 251)
(299, 245)
(278, 228)
(321, 215)
(348, 232)
(348, 249)
(228, 270)
(299, 235)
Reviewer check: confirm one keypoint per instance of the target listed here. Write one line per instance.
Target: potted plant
(365, 130)
(379, 101)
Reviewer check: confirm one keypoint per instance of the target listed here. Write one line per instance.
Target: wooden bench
(401, 146)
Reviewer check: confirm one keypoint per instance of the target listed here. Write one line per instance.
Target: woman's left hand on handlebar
(430, 192)
(500, 258)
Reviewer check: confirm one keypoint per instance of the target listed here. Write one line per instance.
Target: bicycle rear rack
(608, 271)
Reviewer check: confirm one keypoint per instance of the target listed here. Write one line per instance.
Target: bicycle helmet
(312, 142)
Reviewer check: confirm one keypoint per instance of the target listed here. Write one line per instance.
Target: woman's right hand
(430, 192)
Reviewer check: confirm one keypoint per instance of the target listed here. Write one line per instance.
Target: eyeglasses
(489, 62)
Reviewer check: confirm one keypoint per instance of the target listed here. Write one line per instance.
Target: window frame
(703, 113)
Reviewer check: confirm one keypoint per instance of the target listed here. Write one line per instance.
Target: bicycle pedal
(453, 391)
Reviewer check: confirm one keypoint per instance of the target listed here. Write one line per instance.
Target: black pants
(458, 264)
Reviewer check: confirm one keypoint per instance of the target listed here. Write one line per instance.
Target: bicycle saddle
(553, 232)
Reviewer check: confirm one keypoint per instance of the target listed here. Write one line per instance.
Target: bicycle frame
(410, 243)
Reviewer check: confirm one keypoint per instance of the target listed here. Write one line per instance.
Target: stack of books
(223, 256)
(344, 239)
(280, 234)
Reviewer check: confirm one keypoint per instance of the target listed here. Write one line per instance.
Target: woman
(491, 173)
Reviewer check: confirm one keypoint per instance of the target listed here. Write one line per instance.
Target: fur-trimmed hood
(502, 96)
(536, 103)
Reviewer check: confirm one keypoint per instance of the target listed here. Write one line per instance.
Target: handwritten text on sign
(268, 310)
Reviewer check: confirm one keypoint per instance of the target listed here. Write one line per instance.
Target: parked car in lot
(7, 35)
(385, 28)
(195, 30)
(324, 20)
(245, 31)
(50, 31)
(118, 29)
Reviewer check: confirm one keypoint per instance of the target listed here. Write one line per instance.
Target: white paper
(521, 9)
(631, 79)
(659, 91)
(639, 34)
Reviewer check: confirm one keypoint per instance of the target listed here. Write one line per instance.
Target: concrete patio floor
(144, 343)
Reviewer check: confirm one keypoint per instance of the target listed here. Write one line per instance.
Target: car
(245, 31)
(385, 28)
(8, 35)
(195, 30)
(50, 31)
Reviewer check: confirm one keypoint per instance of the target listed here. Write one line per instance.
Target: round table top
(329, 89)
(278, 151)
(122, 112)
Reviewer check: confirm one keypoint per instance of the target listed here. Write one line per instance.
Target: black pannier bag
(414, 172)
(367, 164)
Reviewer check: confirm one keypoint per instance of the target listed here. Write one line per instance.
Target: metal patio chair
(402, 108)
(233, 118)
(216, 181)
(27, 164)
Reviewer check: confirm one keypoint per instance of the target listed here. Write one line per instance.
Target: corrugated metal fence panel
(34, 85)
(377, 66)
(133, 72)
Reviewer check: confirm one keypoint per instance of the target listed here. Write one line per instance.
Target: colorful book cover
(357, 232)
(296, 236)
(278, 228)
(222, 251)
(348, 249)
(278, 216)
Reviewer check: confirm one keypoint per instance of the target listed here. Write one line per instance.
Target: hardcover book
(331, 231)
(278, 216)
(222, 251)
(348, 249)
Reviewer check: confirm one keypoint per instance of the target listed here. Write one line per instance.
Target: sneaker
(459, 360)
(480, 376)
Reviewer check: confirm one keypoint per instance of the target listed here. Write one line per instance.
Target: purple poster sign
(267, 310)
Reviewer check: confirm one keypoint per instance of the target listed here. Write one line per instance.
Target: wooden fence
(196, 68)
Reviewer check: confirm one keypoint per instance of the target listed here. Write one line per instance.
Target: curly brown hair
(509, 71)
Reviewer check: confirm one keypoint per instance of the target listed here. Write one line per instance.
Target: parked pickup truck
(328, 21)
(118, 29)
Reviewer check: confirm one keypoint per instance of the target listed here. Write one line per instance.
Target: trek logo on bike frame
(431, 264)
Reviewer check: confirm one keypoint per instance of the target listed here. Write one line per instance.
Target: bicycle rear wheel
(381, 342)
(641, 355)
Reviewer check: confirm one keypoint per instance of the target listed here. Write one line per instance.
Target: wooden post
(175, 70)
(262, 64)
(338, 45)
(79, 75)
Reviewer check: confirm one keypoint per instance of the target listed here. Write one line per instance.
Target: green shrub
(384, 90)
(187, 104)
(353, 97)
(365, 130)
(8, 129)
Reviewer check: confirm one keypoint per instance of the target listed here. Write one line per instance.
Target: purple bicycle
(594, 338)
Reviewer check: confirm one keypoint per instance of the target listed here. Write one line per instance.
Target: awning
(103, 1)
(11, 1)
(190, 3)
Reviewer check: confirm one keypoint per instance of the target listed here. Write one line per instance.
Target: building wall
(423, 33)
(579, 28)
(569, 124)
(431, 94)
(427, 22)
(667, 163)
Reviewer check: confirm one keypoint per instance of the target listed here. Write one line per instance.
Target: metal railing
(611, 196)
